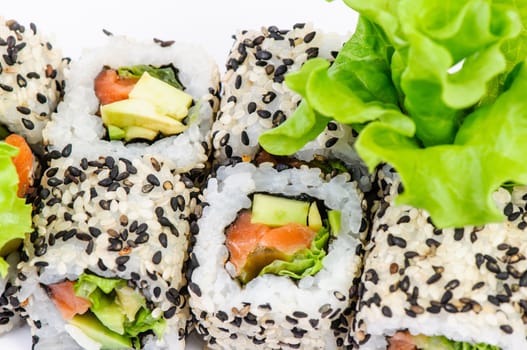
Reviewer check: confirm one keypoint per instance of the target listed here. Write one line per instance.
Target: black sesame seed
(225, 139)
(506, 329)
(28, 124)
(452, 284)
(434, 309)
(331, 142)
(101, 265)
(156, 259)
(269, 97)
(434, 278)
(450, 308)
(263, 55)
(403, 219)
(309, 37)
(264, 114)
(22, 82)
(312, 52)
(194, 288)
(280, 70)
(23, 110)
(523, 280)
(152, 179)
(386, 311)
(163, 240)
(251, 107)
(238, 82)
(6, 88)
(492, 267)
(458, 234)
(244, 138)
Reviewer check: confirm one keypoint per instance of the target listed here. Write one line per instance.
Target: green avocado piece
(314, 220)
(170, 100)
(108, 312)
(96, 331)
(115, 133)
(129, 301)
(139, 132)
(278, 211)
(334, 221)
(134, 112)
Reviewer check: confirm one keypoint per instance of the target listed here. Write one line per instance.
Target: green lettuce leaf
(103, 293)
(15, 214)
(443, 343)
(304, 263)
(166, 74)
(441, 103)
(487, 153)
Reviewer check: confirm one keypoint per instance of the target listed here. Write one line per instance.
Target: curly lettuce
(434, 89)
(15, 214)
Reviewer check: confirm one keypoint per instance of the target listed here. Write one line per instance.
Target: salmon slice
(109, 87)
(401, 341)
(23, 162)
(69, 305)
(242, 238)
(289, 238)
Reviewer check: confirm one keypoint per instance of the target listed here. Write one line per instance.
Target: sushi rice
(274, 312)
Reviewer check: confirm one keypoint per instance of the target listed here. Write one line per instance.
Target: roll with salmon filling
(105, 266)
(268, 242)
(141, 97)
(455, 288)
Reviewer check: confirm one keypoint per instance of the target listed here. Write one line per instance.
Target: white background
(77, 25)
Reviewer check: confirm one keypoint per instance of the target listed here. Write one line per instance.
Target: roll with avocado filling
(278, 255)
(279, 235)
(105, 312)
(143, 102)
(403, 340)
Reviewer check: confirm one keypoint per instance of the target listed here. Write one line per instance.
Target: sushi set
(312, 190)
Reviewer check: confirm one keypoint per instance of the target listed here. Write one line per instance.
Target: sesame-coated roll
(32, 75)
(456, 288)
(255, 97)
(276, 259)
(141, 97)
(105, 265)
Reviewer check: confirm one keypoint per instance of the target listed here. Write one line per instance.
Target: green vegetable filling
(119, 309)
(276, 211)
(15, 214)
(437, 90)
(168, 74)
(442, 343)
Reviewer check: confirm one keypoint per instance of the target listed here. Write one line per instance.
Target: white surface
(74, 25)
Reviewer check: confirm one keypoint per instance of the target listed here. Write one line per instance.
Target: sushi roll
(32, 80)
(251, 287)
(429, 288)
(255, 97)
(105, 265)
(139, 96)
(16, 163)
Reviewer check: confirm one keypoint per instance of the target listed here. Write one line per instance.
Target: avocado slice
(129, 302)
(278, 211)
(134, 112)
(107, 311)
(139, 132)
(90, 326)
(170, 100)
(115, 133)
(334, 221)
(314, 220)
